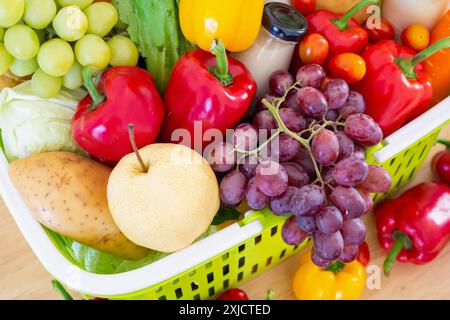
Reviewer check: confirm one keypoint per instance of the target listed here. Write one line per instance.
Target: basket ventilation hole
(274, 231)
(241, 247)
(225, 256)
(194, 286)
(258, 239)
(241, 262)
(162, 298)
(211, 292)
(283, 253)
(240, 276)
(179, 293)
(210, 277)
(226, 270)
(255, 269)
(269, 261)
(226, 284)
(197, 297)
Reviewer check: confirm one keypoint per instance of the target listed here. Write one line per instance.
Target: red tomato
(384, 32)
(314, 48)
(304, 6)
(364, 254)
(233, 294)
(441, 165)
(348, 66)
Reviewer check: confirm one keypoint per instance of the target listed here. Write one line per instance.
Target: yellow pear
(163, 197)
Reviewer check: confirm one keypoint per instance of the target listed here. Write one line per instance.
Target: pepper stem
(220, 71)
(402, 241)
(342, 23)
(97, 97)
(445, 142)
(61, 290)
(336, 267)
(135, 148)
(408, 65)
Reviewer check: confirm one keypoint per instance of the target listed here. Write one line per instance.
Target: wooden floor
(23, 277)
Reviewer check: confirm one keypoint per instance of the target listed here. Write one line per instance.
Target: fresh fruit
(416, 37)
(441, 163)
(91, 50)
(304, 6)
(23, 68)
(314, 48)
(123, 51)
(73, 79)
(21, 42)
(39, 13)
(70, 23)
(56, 57)
(384, 31)
(11, 12)
(82, 4)
(167, 216)
(44, 85)
(6, 59)
(233, 294)
(102, 17)
(348, 66)
(67, 194)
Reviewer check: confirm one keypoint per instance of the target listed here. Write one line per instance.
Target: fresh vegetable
(343, 33)
(364, 254)
(31, 125)
(67, 193)
(290, 171)
(384, 31)
(348, 66)
(304, 6)
(236, 23)
(314, 48)
(438, 65)
(415, 227)
(416, 37)
(161, 178)
(211, 88)
(342, 6)
(154, 27)
(58, 287)
(233, 295)
(397, 72)
(441, 162)
(337, 282)
(125, 95)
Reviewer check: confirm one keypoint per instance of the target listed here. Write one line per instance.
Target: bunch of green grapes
(52, 41)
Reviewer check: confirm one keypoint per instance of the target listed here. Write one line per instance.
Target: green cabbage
(31, 125)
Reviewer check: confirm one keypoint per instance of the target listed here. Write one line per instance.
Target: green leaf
(224, 215)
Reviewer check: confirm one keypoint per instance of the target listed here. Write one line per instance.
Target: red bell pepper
(344, 34)
(441, 162)
(396, 88)
(416, 226)
(127, 96)
(212, 88)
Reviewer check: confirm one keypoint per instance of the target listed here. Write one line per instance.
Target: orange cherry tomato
(304, 6)
(348, 66)
(324, 83)
(416, 37)
(314, 48)
(384, 31)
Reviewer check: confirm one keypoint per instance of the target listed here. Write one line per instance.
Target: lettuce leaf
(155, 27)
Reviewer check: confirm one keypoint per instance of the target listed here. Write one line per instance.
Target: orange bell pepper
(438, 65)
(345, 282)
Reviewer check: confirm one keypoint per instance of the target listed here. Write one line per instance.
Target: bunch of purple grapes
(312, 165)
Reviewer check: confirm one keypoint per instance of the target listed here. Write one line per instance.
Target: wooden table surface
(23, 277)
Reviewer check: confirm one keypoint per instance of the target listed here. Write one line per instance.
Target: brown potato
(67, 193)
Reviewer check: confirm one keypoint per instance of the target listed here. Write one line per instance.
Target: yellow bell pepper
(314, 283)
(235, 22)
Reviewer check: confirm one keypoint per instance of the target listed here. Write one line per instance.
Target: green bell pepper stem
(444, 142)
(342, 23)
(402, 241)
(408, 65)
(61, 290)
(336, 267)
(220, 71)
(97, 98)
